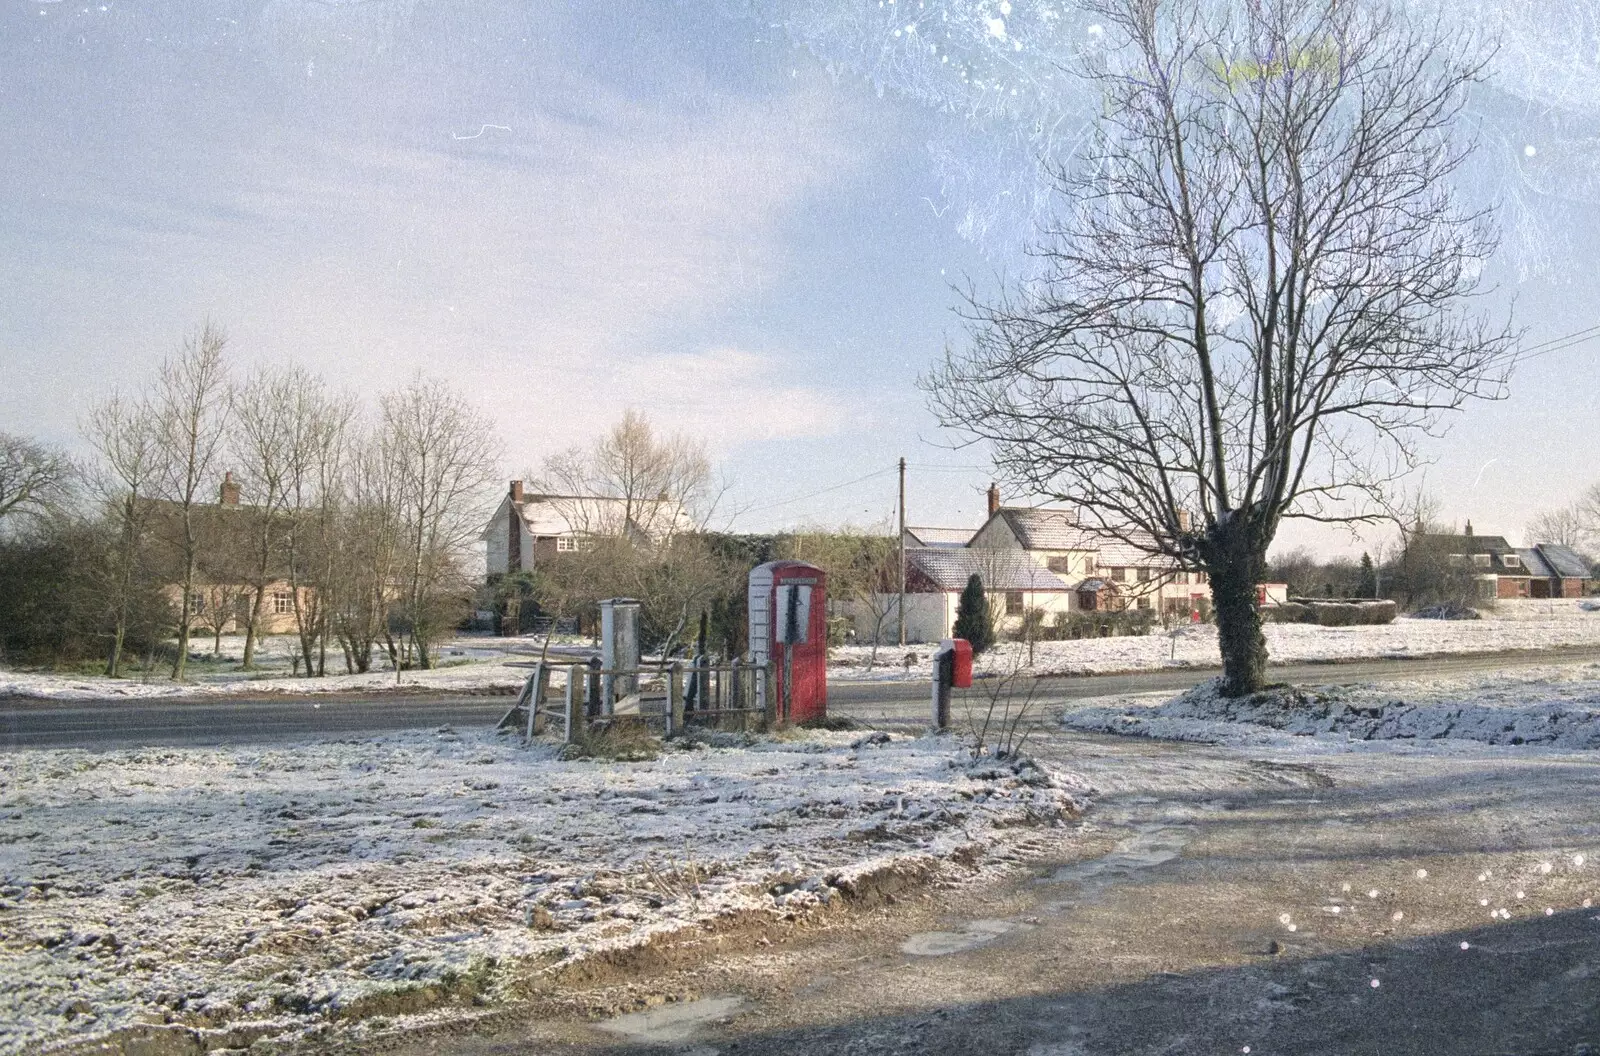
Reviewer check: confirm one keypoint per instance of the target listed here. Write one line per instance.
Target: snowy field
(466, 665)
(356, 885)
(1549, 708)
(1511, 625)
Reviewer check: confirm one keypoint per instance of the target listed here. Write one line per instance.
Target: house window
(1088, 565)
(1143, 603)
(566, 544)
(1144, 574)
(282, 603)
(197, 603)
(1013, 603)
(1481, 560)
(1119, 575)
(1511, 560)
(1059, 564)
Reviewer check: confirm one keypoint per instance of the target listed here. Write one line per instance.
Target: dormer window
(1511, 560)
(1481, 560)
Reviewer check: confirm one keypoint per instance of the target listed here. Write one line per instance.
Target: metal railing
(673, 696)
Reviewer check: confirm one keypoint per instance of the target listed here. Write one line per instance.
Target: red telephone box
(789, 629)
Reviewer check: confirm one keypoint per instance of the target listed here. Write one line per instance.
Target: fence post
(942, 665)
(592, 701)
(536, 682)
(769, 702)
(674, 698)
(572, 701)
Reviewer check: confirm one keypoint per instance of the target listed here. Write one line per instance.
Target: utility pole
(902, 609)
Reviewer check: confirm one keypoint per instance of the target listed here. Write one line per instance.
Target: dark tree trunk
(1235, 564)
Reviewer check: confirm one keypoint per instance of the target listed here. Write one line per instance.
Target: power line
(1557, 344)
(821, 491)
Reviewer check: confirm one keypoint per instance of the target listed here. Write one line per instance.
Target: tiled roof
(1038, 528)
(1471, 544)
(1563, 561)
(949, 569)
(1047, 529)
(1534, 564)
(940, 537)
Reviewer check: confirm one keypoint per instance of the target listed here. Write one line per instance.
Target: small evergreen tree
(1369, 577)
(973, 621)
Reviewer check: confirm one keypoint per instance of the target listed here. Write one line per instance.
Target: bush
(1337, 613)
(1101, 624)
(623, 738)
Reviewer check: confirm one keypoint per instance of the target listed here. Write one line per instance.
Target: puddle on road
(1148, 847)
(943, 943)
(674, 1024)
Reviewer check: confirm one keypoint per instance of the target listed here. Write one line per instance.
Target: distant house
(1042, 559)
(936, 575)
(223, 591)
(1104, 571)
(1544, 570)
(1555, 571)
(528, 528)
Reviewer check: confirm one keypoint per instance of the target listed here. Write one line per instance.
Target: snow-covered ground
(466, 665)
(1549, 708)
(272, 891)
(1511, 625)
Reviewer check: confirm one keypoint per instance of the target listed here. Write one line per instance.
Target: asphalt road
(209, 720)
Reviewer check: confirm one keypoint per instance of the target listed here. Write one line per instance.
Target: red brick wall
(1512, 587)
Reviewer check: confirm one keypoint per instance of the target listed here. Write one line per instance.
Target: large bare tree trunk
(1235, 565)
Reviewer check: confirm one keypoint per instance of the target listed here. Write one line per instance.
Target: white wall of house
(495, 537)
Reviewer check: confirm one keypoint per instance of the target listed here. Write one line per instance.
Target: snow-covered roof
(949, 568)
(1563, 561)
(561, 515)
(1040, 528)
(939, 537)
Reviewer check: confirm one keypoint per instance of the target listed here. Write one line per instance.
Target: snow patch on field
(1555, 708)
(270, 891)
(1512, 624)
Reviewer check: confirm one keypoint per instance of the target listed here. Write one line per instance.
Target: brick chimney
(516, 491)
(994, 499)
(1468, 532)
(229, 492)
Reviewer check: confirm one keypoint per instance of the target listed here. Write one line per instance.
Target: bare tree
(124, 434)
(653, 486)
(34, 480)
(1253, 304)
(443, 461)
(363, 580)
(263, 441)
(290, 445)
(190, 403)
(1564, 527)
(316, 485)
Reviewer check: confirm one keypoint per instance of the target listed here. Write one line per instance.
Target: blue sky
(720, 214)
